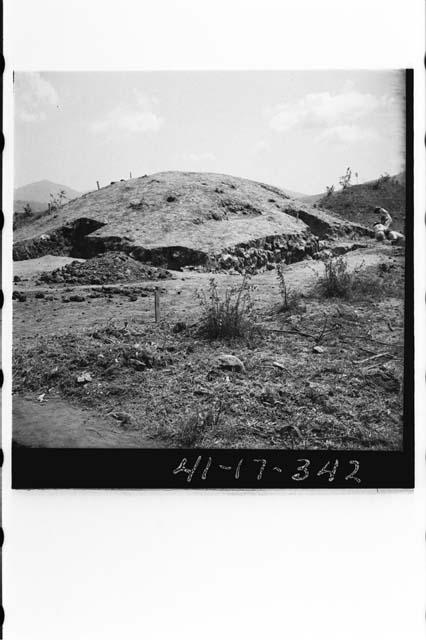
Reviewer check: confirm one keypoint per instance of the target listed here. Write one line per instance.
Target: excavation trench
(69, 240)
(74, 240)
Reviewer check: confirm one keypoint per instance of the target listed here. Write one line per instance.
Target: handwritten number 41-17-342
(302, 472)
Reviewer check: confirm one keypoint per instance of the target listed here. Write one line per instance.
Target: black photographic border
(34, 468)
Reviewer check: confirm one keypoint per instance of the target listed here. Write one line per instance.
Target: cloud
(137, 118)
(34, 97)
(347, 134)
(338, 117)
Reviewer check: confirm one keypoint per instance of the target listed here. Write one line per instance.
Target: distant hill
(356, 203)
(37, 194)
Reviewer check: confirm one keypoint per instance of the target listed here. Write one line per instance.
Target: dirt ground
(326, 375)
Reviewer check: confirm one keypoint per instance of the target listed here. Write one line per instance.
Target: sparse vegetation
(193, 426)
(345, 180)
(57, 200)
(357, 202)
(338, 282)
(227, 316)
(329, 191)
(27, 210)
(289, 297)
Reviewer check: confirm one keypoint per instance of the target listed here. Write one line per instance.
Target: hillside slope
(356, 203)
(182, 218)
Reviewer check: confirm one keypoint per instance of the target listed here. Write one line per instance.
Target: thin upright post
(157, 304)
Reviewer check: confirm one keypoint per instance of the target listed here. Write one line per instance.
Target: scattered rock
(16, 279)
(137, 364)
(318, 349)
(231, 363)
(39, 294)
(278, 365)
(123, 417)
(77, 298)
(17, 295)
(84, 377)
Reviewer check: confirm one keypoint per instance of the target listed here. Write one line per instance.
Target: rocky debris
(77, 298)
(279, 365)
(20, 297)
(84, 377)
(265, 253)
(124, 417)
(106, 268)
(318, 349)
(230, 363)
(16, 279)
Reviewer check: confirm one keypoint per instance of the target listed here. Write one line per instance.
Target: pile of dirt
(110, 267)
(177, 218)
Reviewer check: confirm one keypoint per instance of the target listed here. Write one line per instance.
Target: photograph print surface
(211, 261)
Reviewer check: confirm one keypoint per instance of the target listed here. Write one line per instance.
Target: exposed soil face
(69, 240)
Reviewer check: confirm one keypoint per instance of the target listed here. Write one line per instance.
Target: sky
(298, 130)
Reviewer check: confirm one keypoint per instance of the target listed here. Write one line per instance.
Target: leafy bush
(227, 316)
(338, 282)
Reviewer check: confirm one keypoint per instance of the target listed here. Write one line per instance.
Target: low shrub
(337, 280)
(192, 427)
(229, 315)
(362, 283)
(289, 298)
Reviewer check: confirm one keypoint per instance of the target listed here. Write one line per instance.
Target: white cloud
(348, 134)
(137, 118)
(342, 117)
(34, 97)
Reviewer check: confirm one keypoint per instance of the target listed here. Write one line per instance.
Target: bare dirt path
(58, 424)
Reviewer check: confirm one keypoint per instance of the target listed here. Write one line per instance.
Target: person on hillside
(379, 231)
(385, 217)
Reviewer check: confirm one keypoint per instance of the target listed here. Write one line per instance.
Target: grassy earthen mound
(181, 218)
(107, 268)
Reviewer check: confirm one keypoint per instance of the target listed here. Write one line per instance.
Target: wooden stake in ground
(97, 182)
(157, 304)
